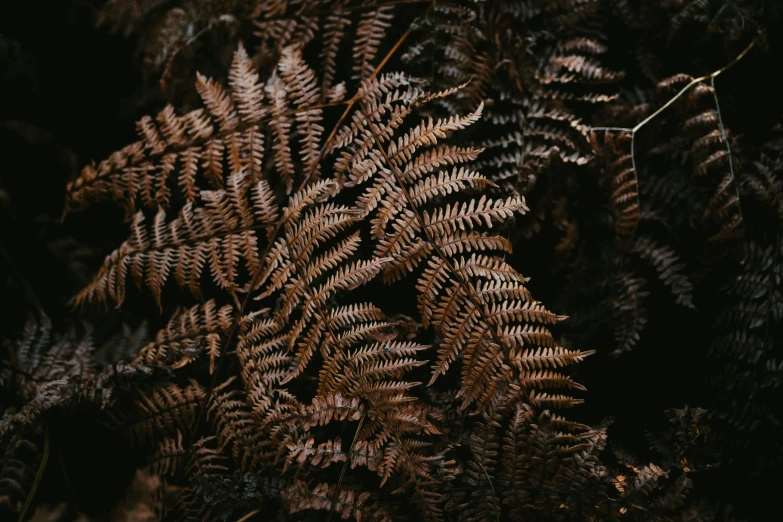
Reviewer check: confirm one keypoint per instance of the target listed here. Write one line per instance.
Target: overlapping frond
(418, 222)
(188, 335)
(313, 367)
(345, 501)
(18, 468)
(362, 365)
(711, 157)
(187, 154)
(163, 411)
(221, 236)
(53, 371)
(618, 155)
(517, 58)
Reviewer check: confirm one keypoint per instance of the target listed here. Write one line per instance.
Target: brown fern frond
(326, 453)
(629, 310)
(313, 367)
(205, 460)
(711, 155)
(518, 58)
(196, 143)
(21, 456)
(52, 371)
(169, 457)
(324, 409)
(617, 151)
(764, 184)
(355, 364)
(347, 502)
(188, 334)
(485, 341)
(573, 62)
(560, 476)
(369, 34)
(483, 443)
(45, 356)
(666, 263)
(334, 32)
(164, 410)
(222, 234)
(237, 429)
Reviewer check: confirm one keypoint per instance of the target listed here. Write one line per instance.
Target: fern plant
(330, 254)
(382, 198)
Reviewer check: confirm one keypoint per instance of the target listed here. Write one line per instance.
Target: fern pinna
(309, 380)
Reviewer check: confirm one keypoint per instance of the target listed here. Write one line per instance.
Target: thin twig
(701, 79)
(64, 470)
(250, 515)
(685, 89)
(728, 148)
(711, 77)
(613, 129)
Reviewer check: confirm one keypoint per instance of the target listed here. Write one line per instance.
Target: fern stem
(345, 466)
(491, 486)
(612, 129)
(38, 476)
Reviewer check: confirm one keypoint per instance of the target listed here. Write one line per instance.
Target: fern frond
(420, 224)
(188, 334)
(394, 198)
(370, 32)
(164, 410)
(223, 235)
(346, 502)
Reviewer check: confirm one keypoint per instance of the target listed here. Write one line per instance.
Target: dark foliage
(311, 303)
